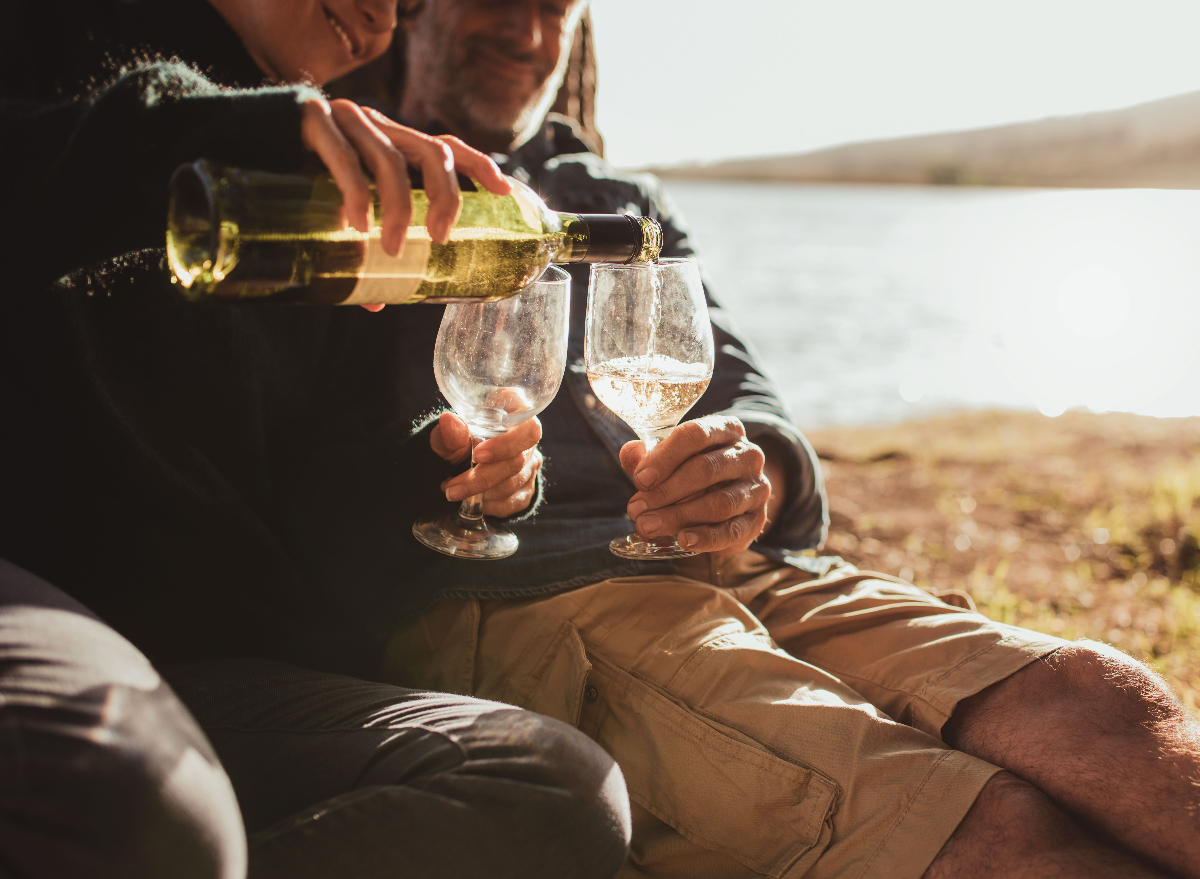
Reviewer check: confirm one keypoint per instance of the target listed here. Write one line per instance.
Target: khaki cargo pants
(769, 721)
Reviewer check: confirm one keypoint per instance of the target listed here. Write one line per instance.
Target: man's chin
(496, 131)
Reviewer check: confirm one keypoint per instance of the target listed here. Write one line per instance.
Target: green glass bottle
(235, 235)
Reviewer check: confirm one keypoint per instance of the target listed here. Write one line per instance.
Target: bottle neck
(620, 238)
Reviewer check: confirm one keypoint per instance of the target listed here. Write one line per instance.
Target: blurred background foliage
(1081, 526)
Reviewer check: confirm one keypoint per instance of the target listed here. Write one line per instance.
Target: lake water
(871, 305)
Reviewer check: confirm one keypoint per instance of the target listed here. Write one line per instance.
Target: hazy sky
(709, 79)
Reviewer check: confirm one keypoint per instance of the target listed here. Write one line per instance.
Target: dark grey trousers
(104, 773)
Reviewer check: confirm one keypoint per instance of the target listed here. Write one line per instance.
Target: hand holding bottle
(346, 137)
(236, 235)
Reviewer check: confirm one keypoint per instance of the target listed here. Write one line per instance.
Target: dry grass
(1082, 526)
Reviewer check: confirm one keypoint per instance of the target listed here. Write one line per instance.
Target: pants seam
(904, 812)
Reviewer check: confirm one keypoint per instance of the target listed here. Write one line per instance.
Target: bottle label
(390, 279)
(524, 197)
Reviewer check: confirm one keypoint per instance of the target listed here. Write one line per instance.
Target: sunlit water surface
(872, 305)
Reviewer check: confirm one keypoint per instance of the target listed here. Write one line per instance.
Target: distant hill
(1154, 145)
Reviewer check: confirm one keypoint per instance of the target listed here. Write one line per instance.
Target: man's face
(488, 69)
(313, 40)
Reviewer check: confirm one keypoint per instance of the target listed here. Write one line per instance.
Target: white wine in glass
(498, 364)
(649, 358)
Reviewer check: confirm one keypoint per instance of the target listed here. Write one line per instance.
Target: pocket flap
(706, 781)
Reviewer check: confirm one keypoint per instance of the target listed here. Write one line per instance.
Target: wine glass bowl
(649, 358)
(498, 364)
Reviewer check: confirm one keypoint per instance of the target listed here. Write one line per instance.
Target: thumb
(631, 455)
(451, 438)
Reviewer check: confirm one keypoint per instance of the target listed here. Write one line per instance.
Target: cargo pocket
(555, 684)
(714, 786)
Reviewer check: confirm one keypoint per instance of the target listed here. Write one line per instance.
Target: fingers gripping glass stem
(498, 364)
(470, 511)
(649, 355)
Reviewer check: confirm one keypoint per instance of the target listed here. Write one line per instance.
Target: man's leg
(740, 760)
(344, 777)
(1105, 738)
(102, 771)
(1014, 831)
(1096, 738)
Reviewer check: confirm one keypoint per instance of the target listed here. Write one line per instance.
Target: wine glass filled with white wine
(498, 364)
(649, 358)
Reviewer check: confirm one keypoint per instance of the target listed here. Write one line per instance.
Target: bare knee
(1087, 687)
(1128, 688)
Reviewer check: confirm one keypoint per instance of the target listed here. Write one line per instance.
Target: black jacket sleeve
(86, 179)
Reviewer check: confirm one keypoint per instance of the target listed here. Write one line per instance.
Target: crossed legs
(1103, 763)
(848, 707)
(1105, 767)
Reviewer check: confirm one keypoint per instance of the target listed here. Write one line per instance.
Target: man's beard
(463, 103)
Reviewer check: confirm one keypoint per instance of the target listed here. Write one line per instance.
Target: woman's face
(311, 40)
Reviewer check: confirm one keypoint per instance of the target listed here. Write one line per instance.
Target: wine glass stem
(470, 511)
(651, 438)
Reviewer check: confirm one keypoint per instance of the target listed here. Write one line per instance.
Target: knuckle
(711, 465)
(761, 488)
(727, 499)
(738, 529)
(694, 432)
(395, 160)
(755, 455)
(434, 150)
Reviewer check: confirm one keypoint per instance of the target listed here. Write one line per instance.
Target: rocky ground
(1082, 526)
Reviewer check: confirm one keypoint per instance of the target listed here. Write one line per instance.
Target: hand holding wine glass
(707, 483)
(649, 358)
(498, 364)
(506, 466)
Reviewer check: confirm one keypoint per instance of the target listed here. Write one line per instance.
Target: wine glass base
(447, 536)
(632, 546)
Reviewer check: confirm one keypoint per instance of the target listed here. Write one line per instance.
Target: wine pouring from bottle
(649, 358)
(255, 236)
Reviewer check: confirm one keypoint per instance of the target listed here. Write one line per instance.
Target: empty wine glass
(649, 356)
(498, 364)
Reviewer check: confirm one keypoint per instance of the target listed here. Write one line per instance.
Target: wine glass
(649, 356)
(498, 364)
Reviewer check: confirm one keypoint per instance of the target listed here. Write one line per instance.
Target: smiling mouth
(341, 32)
(508, 66)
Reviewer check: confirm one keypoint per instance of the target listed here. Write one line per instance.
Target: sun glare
(1092, 298)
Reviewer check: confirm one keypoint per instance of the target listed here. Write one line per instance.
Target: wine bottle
(240, 235)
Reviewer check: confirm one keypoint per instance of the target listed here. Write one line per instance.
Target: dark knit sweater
(154, 454)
